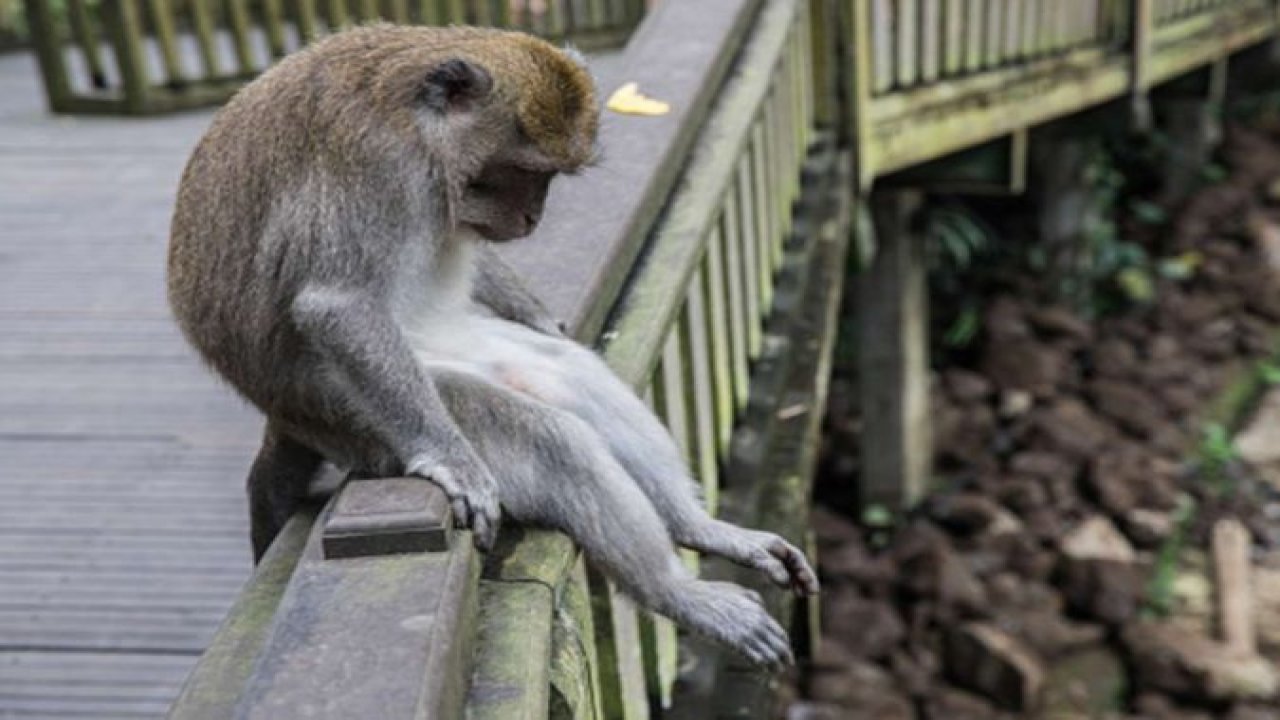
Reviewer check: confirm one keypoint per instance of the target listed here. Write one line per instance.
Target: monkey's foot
(735, 616)
(475, 505)
(781, 561)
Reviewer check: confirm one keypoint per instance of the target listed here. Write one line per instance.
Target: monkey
(332, 257)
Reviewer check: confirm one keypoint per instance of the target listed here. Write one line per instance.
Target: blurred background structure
(810, 163)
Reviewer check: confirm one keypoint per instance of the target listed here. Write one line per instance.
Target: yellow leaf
(628, 101)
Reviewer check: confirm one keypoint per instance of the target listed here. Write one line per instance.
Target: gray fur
(328, 258)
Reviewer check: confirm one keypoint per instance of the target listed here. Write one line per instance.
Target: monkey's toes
(786, 566)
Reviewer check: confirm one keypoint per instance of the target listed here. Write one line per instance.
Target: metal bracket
(387, 516)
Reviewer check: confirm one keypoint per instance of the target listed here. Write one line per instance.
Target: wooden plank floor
(122, 519)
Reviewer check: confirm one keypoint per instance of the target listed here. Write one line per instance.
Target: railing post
(124, 27)
(893, 349)
(48, 47)
(860, 94)
(1141, 26)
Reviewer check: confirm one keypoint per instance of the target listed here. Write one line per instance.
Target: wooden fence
(147, 56)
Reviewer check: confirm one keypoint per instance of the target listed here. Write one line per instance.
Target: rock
(815, 711)
(1024, 364)
(864, 692)
(852, 562)
(1060, 322)
(949, 704)
(1044, 465)
(1154, 706)
(1266, 239)
(982, 658)
(916, 670)
(1089, 683)
(1259, 443)
(868, 629)
(1022, 494)
(1114, 358)
(1105, 590)
(1148, 529)
(1015, 403)
(1049, 633)
(1004, 320)
(1191, 666)
(1132, 407)
(929, 568)
(831, 527)
(1111, 481)
(1097, 539)
(963, 434)
(1069, 427)
(965, 513)
(1252, 712)
(1266, 591)
(966, 386)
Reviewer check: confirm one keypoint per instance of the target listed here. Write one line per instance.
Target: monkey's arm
(499, 288)
(369, 376)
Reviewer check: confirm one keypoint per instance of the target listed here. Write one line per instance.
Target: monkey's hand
(474, 500)
(499, 288)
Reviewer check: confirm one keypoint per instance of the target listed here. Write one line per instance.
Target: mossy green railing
(149, 56)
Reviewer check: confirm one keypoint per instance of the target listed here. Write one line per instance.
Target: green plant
(1160, 589)
(1217, 453)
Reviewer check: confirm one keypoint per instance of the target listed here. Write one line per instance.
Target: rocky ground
(1060, 571)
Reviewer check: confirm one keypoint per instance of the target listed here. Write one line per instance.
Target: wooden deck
(122, 519)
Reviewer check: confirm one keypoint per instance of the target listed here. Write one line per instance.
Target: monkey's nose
(530, 221)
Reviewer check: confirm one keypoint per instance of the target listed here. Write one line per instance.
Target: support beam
(893, 365)
(1189, 111)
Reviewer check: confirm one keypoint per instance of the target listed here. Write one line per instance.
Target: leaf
(1182, 266)
(1136, 284)
(1148, 213)
(628, 100)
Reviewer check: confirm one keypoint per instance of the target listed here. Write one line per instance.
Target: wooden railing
(147, 56)
(708, 255)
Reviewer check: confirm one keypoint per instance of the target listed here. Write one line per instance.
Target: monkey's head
(503, 113)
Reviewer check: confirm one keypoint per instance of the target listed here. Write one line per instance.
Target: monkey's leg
(277, 485)
(586, 387)
(553, 470)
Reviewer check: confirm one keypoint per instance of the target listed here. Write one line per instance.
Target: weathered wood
(1233, 591)
(214, 686)
(385, 516)
(406, 658)
(893, 357)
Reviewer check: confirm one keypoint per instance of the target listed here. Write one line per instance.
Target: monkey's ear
(456, 85)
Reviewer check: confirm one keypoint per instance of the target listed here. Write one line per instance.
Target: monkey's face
(504, 201)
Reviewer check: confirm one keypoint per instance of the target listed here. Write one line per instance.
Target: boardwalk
(122, 521)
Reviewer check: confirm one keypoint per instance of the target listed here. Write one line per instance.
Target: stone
(866, 628)
(1259, 443)
(1068, 426)
(1088, 683)
(949, 704)
(1193, 667)
(1024, 364)
(1148, 529)
(966, 386)
(1044, 465)
(1104, 590)
(929, 568)
(1061, 322)
(986, 660)
(1110, 481)
(1114, 358)
(1004, 320)
(863, 691)
(815, 711)
(965, 513)
(1128, 404)
(1097, 539)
